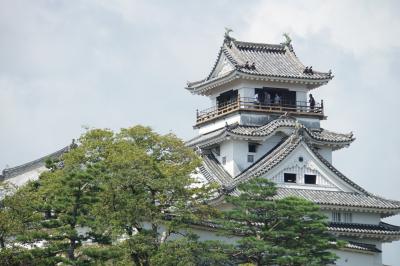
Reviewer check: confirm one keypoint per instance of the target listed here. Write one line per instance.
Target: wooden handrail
(251, 104)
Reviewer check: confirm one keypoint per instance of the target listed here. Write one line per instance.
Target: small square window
(224, 160)
(250, 158)
(289, 177)
(310, 179)
(252, 147)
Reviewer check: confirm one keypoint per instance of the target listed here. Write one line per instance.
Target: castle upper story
(254, 83)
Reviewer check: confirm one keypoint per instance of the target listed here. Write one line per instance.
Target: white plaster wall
(236, 152)
(311, 162)
(226, 150)
(267, 145)
(231, 119)
(366, 218)
(348, 258)
(240, 152)
(247, 92)
(326, 152)
(301, 170)
(301, 96)
(358, 217)
(213, 100)
(310, 122)
(21, 179)
(210, 235)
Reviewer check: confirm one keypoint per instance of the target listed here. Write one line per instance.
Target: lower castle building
(264, 122)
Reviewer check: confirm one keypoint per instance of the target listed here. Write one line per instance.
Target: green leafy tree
(189, 251)
(130, 194)
(289, 231)
(61, 202)
(148, 193)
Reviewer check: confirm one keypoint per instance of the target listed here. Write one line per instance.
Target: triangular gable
(304, 160)
(222, 67)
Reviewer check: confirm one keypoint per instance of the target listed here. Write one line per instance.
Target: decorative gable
(306, 174)
(303, 165)
(223, 67)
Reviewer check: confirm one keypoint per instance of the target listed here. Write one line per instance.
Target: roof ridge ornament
(288, 40)
(227, 38)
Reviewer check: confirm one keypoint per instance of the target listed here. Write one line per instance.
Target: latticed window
(252, 147)
(336, 217)
(347, 217)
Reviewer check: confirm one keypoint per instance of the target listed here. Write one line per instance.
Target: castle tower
(264, 122)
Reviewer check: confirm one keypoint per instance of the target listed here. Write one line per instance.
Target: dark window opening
(252, 147)
(289, 178)
(250, 158)
(224, 160)
(276, 96)
(310, 179)
(226, 98)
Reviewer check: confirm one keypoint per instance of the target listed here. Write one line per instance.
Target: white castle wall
(22, 178)
(357, 217)
(236, 152)
(351, 258)
(326, 152)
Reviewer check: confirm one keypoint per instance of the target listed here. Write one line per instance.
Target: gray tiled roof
(316, 134)
(214, 172)
(379, 229)
(20, 169)
(269, 161)
(339, 198)
(271, 60)
(362, 247)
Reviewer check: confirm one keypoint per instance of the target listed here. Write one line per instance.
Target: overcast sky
(65, 65)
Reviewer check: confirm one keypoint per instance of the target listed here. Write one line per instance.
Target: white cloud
(357, 26)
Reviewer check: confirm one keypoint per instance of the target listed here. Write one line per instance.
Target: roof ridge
(259, 45)
(336, 171)
(280, 152)
(8, 172)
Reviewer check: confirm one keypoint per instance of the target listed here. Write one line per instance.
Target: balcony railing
(252, 104)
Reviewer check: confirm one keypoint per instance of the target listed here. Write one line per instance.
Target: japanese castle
(263, 123)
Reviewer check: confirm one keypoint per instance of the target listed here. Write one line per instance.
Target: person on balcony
(267, 98)
(312, 102)
(277, 99)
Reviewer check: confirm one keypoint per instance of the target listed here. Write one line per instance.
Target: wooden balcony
(252, 105)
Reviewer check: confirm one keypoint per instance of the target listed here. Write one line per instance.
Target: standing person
(268, 99)
(277, 99)
(312, 102)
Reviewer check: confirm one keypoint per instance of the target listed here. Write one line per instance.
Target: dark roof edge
(17, 170)
(336, 171)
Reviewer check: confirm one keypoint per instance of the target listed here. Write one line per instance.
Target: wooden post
(322, 106)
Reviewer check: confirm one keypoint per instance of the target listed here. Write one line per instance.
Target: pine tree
(289, 231)
(148, 192)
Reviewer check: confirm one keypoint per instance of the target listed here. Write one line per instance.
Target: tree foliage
(125, 193)
(289, 231)
(128, 198)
